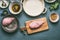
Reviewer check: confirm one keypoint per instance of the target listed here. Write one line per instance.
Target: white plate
(33, 7)
(10, 8)
(7, 3)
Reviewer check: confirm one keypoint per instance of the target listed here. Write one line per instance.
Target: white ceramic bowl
(7, 4)
(50, 1)
(10, 8)
(6, 28)
(54, 21)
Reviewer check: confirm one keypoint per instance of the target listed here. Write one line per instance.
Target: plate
(33, 7)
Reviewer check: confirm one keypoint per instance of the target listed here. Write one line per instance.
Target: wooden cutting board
(42, 28)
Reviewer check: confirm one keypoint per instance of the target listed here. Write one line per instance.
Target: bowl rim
(6, 29)
(11, 9)
(54, 21)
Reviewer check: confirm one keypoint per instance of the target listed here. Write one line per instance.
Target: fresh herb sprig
(55, 5)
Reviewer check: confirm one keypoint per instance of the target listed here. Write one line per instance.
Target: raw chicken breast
(36, 24)
(7, 21)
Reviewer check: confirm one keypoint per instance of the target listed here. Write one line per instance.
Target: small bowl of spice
(54, 17)
(15, 8)
(4, 3)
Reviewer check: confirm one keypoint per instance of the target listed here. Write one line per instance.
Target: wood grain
(42, 28)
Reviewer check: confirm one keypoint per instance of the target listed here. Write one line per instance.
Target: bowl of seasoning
(4, 3)
(9, 24)
(15, 8)
(54, 17)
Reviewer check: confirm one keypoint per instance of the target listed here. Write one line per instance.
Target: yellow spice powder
(53, 16)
